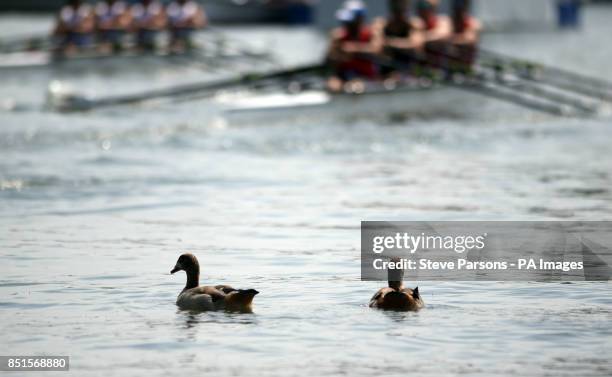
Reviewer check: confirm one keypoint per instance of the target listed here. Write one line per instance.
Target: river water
(96, 207)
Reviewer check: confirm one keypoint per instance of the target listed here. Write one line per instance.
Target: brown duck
(395, 296)
(219, 297)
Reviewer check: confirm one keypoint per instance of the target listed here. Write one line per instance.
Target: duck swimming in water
(219, 297)
(395, 296)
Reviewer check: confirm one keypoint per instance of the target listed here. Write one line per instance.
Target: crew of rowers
(400, 43)
(104, 25)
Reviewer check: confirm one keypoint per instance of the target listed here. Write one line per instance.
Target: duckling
(396, 297)
(220, 297)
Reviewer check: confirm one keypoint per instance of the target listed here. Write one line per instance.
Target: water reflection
(401, 317)
(191, 319)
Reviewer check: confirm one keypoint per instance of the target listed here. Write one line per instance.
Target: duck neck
(193, 279)
(396, 285)
(396, 276)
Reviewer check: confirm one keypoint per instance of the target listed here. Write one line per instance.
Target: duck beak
(176, 268)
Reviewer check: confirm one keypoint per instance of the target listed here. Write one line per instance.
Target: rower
(465, 36)
(148, 19)
(350, 47)
(75, 27)
(184, 16)
(437, 30)
(112, 22)
(401, 35)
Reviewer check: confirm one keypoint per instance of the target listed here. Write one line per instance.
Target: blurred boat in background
(210, 48)
(96, 61)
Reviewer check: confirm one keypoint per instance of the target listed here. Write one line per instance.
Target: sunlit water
(95, 208)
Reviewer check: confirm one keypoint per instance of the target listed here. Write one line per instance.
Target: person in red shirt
(352, 48)
(465, 36)
(402, 38)
(437, 30)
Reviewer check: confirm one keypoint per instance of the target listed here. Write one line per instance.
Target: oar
(221, 37)
(538, 99)
(44, 42)
(527, 64)
(29, 43)
(455, 76)
(477, 83)
(567, 99)
(555, 96)
(74, 102)
(473, 83)
(531, 73)
(221, 40)
(218, 51)
(561, 78)
(507, 93)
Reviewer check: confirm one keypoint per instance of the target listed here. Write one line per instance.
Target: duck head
(188, 263)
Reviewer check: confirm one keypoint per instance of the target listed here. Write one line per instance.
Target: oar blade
(61, 98)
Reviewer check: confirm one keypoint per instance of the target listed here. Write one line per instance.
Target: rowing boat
(305, 95)
(375, 101)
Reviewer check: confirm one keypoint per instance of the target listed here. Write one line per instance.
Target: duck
(395, 296)
(206, 298)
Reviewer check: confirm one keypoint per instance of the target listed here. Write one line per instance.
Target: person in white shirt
(184, 17)
(148, 19)
(112, 22)
(75, 27)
